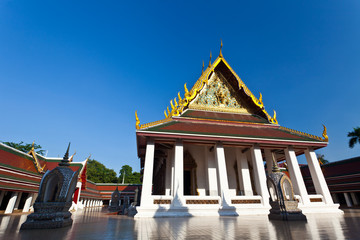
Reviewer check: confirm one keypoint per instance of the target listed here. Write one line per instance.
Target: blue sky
(77, 70)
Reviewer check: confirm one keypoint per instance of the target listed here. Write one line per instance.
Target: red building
(21, 173)
(343, 180)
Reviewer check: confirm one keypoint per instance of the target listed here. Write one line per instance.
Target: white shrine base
(320, 208)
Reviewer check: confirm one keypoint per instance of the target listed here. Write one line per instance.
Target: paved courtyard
(96, 224)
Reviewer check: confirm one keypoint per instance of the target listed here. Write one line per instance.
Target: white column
(354, 198)
(318, 176)
(148, 174)
(347, 199)
(212, 175)
(223, 180)
(269, 160)
(18, 201)
(85, 202)
(179, 174)
(2, 194)
(168, 177)
(258, 163)
(78, 185)
(244, 173)
(11, 203)
(295, 175)
(335, 198)
(28, 202)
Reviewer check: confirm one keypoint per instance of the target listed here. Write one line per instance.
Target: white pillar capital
(318, 176)
(295, 175)
(258, 163)
(223, 180)
(179, 174)
(146, 199)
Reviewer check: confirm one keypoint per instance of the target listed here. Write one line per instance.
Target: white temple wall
(212, 172)
(230, 159)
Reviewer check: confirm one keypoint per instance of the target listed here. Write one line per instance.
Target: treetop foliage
(98, 173)
(25, 147)
(130, 176)
(354, 137)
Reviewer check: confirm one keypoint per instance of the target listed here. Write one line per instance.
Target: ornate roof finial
(72, 156)
(65, 161)
(202, 71)
(325, 136)
(210, 60)
(220, 54)
(137, 124)
(33, 145)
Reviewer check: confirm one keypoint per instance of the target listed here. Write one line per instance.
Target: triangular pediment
(219, 95)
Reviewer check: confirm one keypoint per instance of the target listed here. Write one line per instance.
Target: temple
(207, 157)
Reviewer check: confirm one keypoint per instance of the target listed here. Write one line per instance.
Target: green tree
(354, 137)
(25, 147)
(128, 176)
(321, 159)
(97, 172)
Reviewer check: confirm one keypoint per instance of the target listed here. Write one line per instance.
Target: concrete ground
(94, 223)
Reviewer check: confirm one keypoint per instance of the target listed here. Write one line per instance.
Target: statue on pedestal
(284, 206)
(51, 208)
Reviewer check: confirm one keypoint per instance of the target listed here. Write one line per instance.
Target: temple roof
(220, 105)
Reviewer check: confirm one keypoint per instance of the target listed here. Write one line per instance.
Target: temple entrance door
(187, 183)
(190, 180)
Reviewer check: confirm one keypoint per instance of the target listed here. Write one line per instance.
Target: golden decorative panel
(218, 95)
(162, 201)
(245, 201)
(202, 201)
(315, 200)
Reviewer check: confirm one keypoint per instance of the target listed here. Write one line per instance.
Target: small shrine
(115, 201)
(283, 204)
(51, 208)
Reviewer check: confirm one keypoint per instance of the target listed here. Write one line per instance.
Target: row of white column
(260, 176)
(14, 201)
(91, 203)
(215, 167)
(351, 199)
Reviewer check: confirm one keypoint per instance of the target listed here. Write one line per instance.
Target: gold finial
(210, 60)
(166, 116)
(72, 156)
(260, 99)
(88, 157)
(137, 125)
(202, 71)
(220, 55)
(325, 136)
(168, 111)
(187, 94)
(180, 99)
(175, 102)
(172, 105)
(33, 145)
(274, 118)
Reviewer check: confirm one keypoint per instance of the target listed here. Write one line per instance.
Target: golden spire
(33, 145)
(210, 60)
(220, 54)
(165, 114)
(137, 125)
(172, 105)
(202, 71)
(175, 102)
(180, 100)
(274, 118)
(168, 111)
(325, 136)
(186, 90)
(72, 156)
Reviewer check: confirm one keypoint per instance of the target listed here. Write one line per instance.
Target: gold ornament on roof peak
(220, 54)
(137, 124)
(325, 136)
(210, 61)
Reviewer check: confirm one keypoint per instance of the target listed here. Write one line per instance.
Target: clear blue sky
(77, 70)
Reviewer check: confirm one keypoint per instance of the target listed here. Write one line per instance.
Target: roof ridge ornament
(221, 45)
(137, 124)
(324, 134)
(210, 61)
